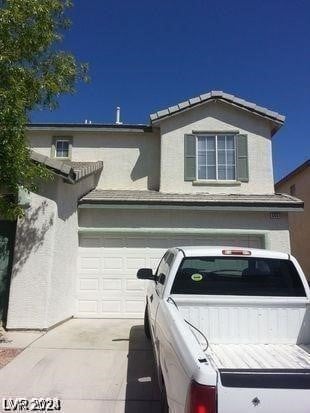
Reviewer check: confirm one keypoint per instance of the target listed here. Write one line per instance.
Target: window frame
(56, 139)
(167, 260)
(62, 141)
(215, 135)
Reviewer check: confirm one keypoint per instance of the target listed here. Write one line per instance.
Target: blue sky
(146, 55)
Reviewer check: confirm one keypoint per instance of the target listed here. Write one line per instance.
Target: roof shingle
(70, 171)
(226, 97)
(278, 201)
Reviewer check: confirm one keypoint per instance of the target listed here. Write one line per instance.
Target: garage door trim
(107, 264)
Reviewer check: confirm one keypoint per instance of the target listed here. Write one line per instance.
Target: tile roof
(70, 171)
(226, 97)
(280, 201)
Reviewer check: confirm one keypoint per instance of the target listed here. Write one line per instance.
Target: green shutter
(242, 158)
(189, 157)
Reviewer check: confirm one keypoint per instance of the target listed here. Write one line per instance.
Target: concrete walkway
(92, 366)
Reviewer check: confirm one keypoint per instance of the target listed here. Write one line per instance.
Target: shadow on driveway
(142, 393)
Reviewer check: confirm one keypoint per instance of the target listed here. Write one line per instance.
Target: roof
(80, 127)
(72, 172)
(125, 197)
(296, 171)
(225, 97)
(196, 251)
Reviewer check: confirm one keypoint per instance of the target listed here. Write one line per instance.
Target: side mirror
(145, 274)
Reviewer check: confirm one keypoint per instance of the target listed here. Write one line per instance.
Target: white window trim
(56, 139)
(62, 140)
(216, 180)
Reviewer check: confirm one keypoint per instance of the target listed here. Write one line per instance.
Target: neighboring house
(200, 174)
(297, 183)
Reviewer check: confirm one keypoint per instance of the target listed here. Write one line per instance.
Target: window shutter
(189, 157)
(242, 158)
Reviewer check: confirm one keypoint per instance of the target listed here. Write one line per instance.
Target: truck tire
(147, 331)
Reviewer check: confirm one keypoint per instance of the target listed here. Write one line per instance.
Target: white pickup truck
(231, 330)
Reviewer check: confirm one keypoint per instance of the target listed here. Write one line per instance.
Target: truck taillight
(236, 252)
(201, 399)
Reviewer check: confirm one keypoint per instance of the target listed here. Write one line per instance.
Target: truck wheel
(147, 324)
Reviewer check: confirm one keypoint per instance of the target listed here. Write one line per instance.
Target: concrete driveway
(90, 365)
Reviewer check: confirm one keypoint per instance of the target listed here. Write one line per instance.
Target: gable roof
(222, 96)
(296, 171)
(72, 172)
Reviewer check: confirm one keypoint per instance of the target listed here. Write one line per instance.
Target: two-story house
(199, 174)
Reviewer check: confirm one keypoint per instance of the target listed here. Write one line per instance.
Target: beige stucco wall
(155, 160)
(45, 257)
(130, 159)
(299, 222)
(216, 116)
(275, 231)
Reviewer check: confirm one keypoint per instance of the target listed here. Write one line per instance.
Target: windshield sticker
(196, 277)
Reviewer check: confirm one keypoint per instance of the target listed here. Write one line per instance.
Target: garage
(107, 264)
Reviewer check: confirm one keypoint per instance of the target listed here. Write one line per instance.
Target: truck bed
(260, 356)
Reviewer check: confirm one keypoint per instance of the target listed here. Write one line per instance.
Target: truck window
(163, 270)
(238, 276)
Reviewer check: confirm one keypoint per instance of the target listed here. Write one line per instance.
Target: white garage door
(107, 267)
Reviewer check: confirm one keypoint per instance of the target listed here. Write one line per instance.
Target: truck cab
(230, 329)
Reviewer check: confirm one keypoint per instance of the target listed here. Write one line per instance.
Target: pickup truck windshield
(238, 276)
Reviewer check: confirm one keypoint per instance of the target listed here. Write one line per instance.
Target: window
(62, 148)
(238, 276)
(216, 157)
(162, 271)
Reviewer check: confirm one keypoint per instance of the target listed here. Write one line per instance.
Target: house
(199, 174)
(297, 183)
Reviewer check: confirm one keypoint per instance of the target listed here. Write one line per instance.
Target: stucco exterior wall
(299, 222)
(130, 159)
(221, 117)
(274, 231)
(45, 258)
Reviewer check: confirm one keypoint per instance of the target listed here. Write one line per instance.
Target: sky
(147, 55)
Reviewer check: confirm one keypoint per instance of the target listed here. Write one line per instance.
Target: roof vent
(118, 116)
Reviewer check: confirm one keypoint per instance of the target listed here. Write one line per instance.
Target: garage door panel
(112, 306)
(134, 306)
(107, 284)
(89, 284)
(134, 285)
(112, 284)
(88, 307)
(135, 262)
(90, 264)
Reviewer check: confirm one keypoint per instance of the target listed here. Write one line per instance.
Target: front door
(7, 236)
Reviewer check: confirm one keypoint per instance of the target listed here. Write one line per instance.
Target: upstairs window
(216, 157)
(62, 148)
